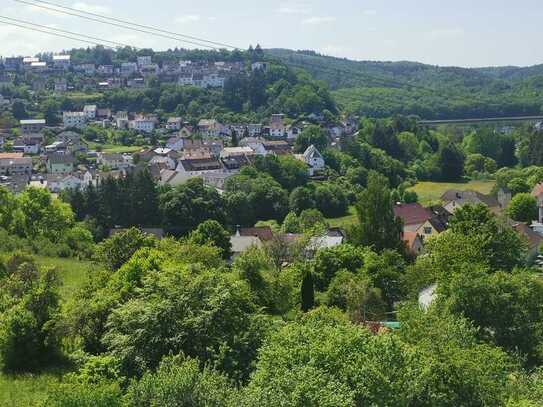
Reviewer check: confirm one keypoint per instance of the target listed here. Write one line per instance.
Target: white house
(60, 182)
(144, 124)
(74, 119)
(277, 125)
(90, 111)
(114, 160)
(62, 61)
(313, 158)
(256, 144)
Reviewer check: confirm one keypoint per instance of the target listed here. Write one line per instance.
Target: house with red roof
(416, 218)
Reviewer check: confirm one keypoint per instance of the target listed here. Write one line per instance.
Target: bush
(180, 383)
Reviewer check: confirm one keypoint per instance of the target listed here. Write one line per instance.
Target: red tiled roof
(264, 233)
(412, 214)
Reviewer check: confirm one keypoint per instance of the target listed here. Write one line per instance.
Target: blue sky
(458, 32)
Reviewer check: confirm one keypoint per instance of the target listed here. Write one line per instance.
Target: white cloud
(92, 8)
(294, 8)
(189, 18)
(318, 20)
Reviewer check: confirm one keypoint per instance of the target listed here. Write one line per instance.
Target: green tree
(186, 206)
(180, 382)
(211, 232)
(28, 306)
(377, 225)
(311, 135)
(117, 250)
(450, 160)
(203, 314)
(523, 208)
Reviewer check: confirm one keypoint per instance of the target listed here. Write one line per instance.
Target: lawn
(431, 192)
(31, 389)
(73, 273)
(26, 389)
(345, 221)
(114, 148)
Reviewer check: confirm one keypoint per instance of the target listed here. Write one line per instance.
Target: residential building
(62, 62)
(114, 161)
(313, 158)
(533, 240)
(255, 143)
(59, 182)
(61, 85)
(277, 125)
(277, 147)
(27, 145)
(144, 60)
(60, 164)
(255, 66)
(32, 126)
(122, 120)
(143, 123)
(241, 244)
(128, 68)
(174, 123)
(423, 221)
(15, 163)
(454, 199)
(74, 119)
(212, 128)
(86, 69)
(413, 243)
(264, 233)
(105, 70)
(90, 111)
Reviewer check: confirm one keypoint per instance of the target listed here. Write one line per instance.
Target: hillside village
(225, 225)
(57, 157)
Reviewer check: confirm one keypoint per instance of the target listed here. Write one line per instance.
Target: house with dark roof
(454, 199)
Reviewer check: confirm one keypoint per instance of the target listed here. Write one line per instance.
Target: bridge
(483, 120)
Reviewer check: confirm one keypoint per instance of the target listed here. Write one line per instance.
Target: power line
(125, 24)
(120, 44)
(55, 34)
(220, 44)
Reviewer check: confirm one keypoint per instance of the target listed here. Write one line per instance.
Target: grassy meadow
(431, 192)
(31, 389)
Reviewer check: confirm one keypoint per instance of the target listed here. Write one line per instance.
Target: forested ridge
(381, 89)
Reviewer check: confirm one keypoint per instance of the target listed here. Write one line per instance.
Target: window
(427, 230)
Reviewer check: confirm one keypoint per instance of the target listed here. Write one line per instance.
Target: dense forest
(381, 89)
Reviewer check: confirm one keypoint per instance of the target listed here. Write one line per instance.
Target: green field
(431, 192)
(31, 389)
(26, 389)
(114, 148)
(345, 221)
(73, 273)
